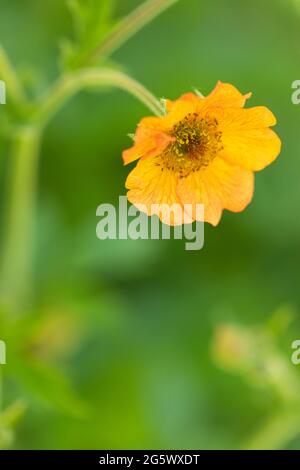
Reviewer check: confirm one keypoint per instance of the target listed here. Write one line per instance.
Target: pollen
(197, 141)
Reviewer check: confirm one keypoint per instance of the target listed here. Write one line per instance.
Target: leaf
(48, 386)
(92, 20)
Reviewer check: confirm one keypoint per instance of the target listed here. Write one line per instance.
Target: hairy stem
(18, 244)
(128, 27)
(16, 273)
(70, 84)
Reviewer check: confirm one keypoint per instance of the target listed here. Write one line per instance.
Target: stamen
(197, 142)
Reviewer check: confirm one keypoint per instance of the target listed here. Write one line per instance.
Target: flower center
(196, 143)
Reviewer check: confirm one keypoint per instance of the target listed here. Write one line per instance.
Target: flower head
(203, 151)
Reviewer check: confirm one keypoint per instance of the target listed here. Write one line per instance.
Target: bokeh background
(141, 344)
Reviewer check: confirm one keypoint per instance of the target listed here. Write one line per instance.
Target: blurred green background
(137, 344)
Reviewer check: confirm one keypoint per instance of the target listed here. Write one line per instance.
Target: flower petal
(194, 190)
(224, 95)
(233, 184)
(187, 97)
(154, 133)
(150, 143)
(218, 186)
(180, 109)
(246, 138)
(151, 185)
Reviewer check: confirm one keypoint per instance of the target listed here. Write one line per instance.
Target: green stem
(15, 275)
(17, 247)
(17, 244)
(70, 84)
(128, 27)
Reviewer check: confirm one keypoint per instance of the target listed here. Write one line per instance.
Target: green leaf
(92, 20)
(48, 386)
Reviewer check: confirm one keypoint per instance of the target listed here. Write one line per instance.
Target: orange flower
(203, 151)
